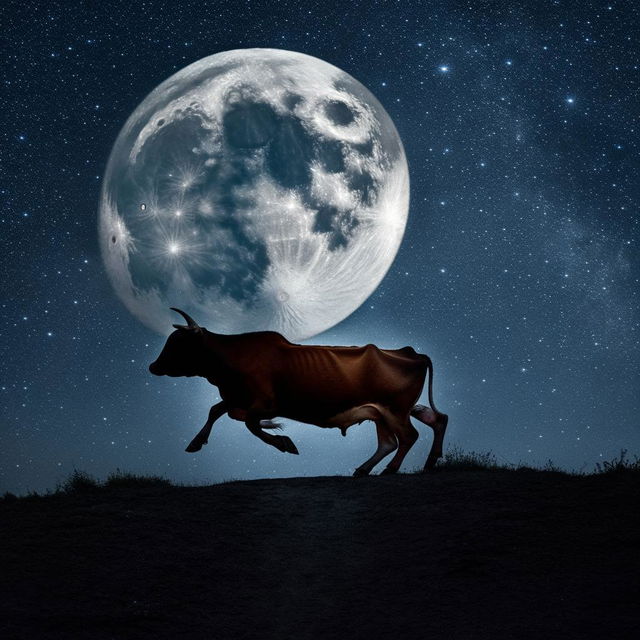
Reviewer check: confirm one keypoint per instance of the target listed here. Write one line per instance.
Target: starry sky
(518, 272)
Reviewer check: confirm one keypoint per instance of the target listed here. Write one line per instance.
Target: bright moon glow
(256, 189)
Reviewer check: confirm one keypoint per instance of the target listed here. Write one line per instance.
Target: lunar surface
(255, 189)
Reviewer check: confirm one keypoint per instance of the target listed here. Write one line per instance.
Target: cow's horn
(191, 323)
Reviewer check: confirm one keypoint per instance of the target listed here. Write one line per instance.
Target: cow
(262, 376)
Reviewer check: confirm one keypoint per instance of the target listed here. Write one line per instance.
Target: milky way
(518, 272)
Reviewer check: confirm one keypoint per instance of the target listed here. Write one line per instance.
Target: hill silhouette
(485, 553)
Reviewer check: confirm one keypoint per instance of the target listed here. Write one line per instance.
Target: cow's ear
(186, 328)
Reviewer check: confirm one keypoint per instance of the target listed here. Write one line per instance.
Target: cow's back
(334, 379)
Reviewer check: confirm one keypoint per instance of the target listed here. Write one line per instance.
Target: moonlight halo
(257, 188)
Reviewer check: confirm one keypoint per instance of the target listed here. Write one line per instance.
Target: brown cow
(262, 375)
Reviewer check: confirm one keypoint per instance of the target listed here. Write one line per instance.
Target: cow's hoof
(285, 444)
(270, 424)
(193, 447)
(360, 473)
(430, 467)
(388, 472)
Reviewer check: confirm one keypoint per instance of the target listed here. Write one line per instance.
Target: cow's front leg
(282, 443)
(202, 438)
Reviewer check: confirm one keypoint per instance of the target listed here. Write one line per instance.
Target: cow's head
(183, 352)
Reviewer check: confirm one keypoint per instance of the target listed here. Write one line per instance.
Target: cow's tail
(430, 384)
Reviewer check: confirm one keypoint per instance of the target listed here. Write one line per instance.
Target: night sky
(518, 273)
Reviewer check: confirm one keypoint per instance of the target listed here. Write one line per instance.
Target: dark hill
(455, 554)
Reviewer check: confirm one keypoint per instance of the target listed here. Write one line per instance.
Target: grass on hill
(80, 481)
(454, 459)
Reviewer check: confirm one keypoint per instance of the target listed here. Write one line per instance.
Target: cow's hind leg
(387, 443)
(282, 443)
(202, 438)
(438, 422)
(407, 436)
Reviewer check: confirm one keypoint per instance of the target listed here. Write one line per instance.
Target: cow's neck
(214, 356)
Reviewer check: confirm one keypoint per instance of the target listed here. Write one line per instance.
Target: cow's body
(262, 376)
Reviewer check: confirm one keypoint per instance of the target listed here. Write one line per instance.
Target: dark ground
(455, 554)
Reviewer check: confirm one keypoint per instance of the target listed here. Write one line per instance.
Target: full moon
(255, 189)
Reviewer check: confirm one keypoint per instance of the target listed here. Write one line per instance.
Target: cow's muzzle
(155, 369)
